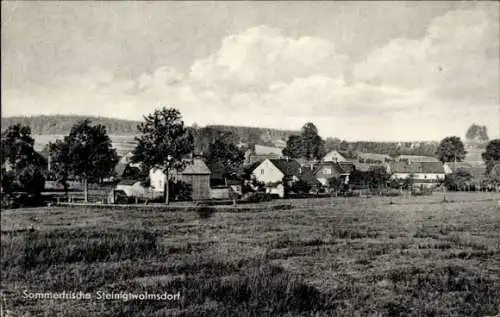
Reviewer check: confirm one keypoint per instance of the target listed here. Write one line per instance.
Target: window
(262, 172)
(327, 170)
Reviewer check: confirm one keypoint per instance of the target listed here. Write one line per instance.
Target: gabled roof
(417, 167)
(347, 167)
(332, 154)
(340, 168)
(198, 167)
(495, 170)
(292, 168)
(120, 169)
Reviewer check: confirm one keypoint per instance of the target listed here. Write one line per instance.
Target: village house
(277, 172)
(334, 156)
(325, 172)
(422, 174)
(196, 174)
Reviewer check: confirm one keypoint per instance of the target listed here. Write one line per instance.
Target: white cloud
(407, 89)
(456, 60)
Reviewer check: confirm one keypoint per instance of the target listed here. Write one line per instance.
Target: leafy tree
(313, 144)
(294, 147)
(492, 154)
(85, 154)
(451, 149)
(59, 162)
(224, 159)
(458, 180)
(22, 167)
(163, 143)
(477, 133)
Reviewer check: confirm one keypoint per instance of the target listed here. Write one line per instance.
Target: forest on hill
(61, 125)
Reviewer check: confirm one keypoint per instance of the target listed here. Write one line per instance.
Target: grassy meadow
(325, 257)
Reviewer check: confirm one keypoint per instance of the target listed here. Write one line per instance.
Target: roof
(341, 168)
(293, 168)
(332, 154)
(495, 170)
(197, 167)
(348, 167)
(264, 150)
(120, 169)
(129, 182)
(366, 167)
(374, 157)
(417, 158)
(417, 167)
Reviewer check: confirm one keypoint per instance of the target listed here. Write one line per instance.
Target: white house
(276, 171)
(424, 174)
(333, 156)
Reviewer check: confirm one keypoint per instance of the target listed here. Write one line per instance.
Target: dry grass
(325, 257)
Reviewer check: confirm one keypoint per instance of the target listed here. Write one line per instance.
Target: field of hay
(395, 256)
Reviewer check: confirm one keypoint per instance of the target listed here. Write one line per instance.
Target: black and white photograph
(250, 158)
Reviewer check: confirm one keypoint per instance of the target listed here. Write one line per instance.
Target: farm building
(196, 174)
(278, 171)
(326, 171)
(423, 174)
(415, 158)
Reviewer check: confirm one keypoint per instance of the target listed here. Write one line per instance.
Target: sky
(381, 71)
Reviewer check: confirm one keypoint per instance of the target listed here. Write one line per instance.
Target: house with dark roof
(327, 171)
(279, 172)
(422, 174)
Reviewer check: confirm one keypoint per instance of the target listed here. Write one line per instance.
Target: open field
(326, 257)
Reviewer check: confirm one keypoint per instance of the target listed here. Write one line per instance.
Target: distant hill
(61, 124)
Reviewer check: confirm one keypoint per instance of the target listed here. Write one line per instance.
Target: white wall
(158, 179)
(268, 173)
(419, 176)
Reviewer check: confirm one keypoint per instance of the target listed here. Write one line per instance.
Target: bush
(20, 199)
(258, 197)
(205, 212)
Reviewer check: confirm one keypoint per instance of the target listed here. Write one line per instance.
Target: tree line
(164, 141)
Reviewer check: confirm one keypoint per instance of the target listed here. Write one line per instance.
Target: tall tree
(477, 133)
(22, 167)
(451, 149)
(59, 166)
(89, 153)
(294, 147)
(163, 143)
(313, 144)
(492, 154)
(224, 159)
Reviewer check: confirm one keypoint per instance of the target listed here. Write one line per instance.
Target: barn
(196, 174)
